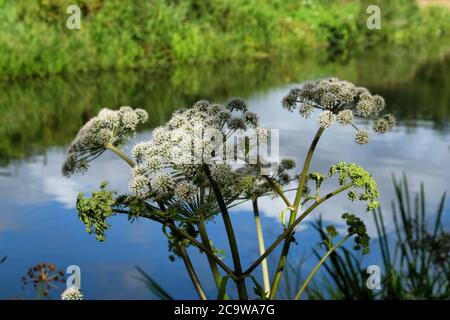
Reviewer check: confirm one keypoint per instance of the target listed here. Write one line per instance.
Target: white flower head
(163, 185)
(306, 109)
(341, 101)
(109, 127)
(326, 119)
(186, 191)
(362, 136)
(140, 183)
(72, 293)
(344, 117)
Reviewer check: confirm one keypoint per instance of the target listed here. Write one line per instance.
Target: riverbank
(34, 40)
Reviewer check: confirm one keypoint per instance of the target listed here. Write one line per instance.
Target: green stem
(203, 248)
(306, 164)
(294, 210)
(290, 228)
(262, 249)
(240, 282)
(188, 237)
(319, 264)
(192, 274)
(278, 191)
(212, 263)
(121, 154)
(183, 252)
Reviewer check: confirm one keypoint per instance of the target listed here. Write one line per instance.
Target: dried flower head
(43, 277)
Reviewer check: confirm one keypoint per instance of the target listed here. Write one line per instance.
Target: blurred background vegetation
(415, 256)
(164, 54)
(115, 34)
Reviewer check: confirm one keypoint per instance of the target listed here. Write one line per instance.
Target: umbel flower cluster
(109, 129)
(340, 101)
(170, 167)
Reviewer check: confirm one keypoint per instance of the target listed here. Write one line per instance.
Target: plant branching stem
(192, 274)
(278, 191)
(294, 210)
(208, 252)
(319, 264)
(261, 245)
(121, 154)
(290, 228)
(240, 282)
(212, 263)
(188, 237)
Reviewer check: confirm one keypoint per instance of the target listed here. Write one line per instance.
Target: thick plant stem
(240, 281)
(294, 210)
(319, 264)
(261, 245)
(212, 263)
(192, 274)
(121, 154)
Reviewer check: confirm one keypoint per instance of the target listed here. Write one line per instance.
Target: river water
(39, 117)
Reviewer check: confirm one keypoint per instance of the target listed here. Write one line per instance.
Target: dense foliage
(143, 34)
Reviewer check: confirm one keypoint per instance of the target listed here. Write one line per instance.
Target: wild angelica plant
(183, 177)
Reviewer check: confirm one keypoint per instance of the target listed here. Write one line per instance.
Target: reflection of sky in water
(39, 223)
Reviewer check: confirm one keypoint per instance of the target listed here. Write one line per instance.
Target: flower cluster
(94, 211)
(362, 185)
(108, 128)
(72, 293)
(357, 227)
(43, 277)
(340, 101)
(253, 185)
(170, 165)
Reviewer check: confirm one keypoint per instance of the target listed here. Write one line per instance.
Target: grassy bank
(121, 35)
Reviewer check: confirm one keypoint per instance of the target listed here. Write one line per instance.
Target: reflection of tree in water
(39, 113)
(425, 97)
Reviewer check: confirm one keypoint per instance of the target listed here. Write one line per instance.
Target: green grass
(150, 34)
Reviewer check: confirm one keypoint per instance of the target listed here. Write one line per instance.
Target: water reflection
(38, 221)
(40, 113)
